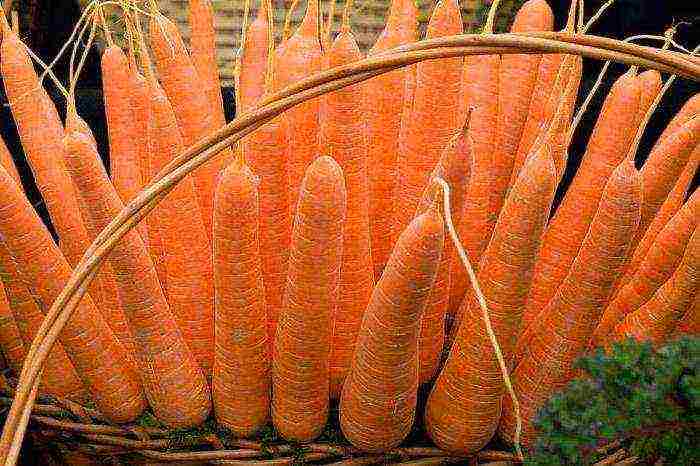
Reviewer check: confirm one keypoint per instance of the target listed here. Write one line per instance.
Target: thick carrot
(140, 99)
(253, 58)
(464, 406)
(241, 382)
(187, 257)
(11, 342)
(378, 404)
(607, 146)
(562, 332)
(299, 58)
(385, 97)
(98, 357)
(690, 323)
(654, 270)
(175, 386)
(433, 118)
(651, 85)
(689, 111)
(300, 363)
(8, 162)
(657, 319)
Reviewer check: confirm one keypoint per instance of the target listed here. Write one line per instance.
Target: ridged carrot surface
(253, 62)
(433, 118)
(385, 97)
(192, 108)
(690, 323)
(11, 343)
(464, 406)
(175, 386)
(378, 404)
(241, 382)
(139, 98)
(654, 270)
(689, 111)
(518, 77)
(651, 85)
(299, 58)
(95, 352)
(300, 363)
(656, 320)
(562, 332)
(8, 162)
(186, 252)
(607, 147)
(343, 130)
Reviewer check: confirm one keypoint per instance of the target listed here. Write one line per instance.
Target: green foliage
(645, 398)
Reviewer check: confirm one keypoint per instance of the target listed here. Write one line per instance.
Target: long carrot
(300, 363)
(562, 332)
(607, 146)
(690, 323)
(433, 118)
(11, 342)
(651, 85)
(139, 97)
(175, 386)
(8, 163)
(95, 352)
(385, 96)
(655, 268)
(656, 320)
(378, 404)
(464, 406)
(253, 60)
(689, 111)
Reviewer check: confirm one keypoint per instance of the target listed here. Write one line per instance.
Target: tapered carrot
(654, 270)
(562, 332)
(11, 342)
(300, 363)
(433, 118)
(385, 96)
(253, 59)
(651, 85)
(8, 162)
(241, 382)
(378, 404)
(607, 146)
(689, 111)
(186, 253)
(175, 386)
(98, 358)
(139, 97)
(690, 323)
(464, 406)
(656, 320)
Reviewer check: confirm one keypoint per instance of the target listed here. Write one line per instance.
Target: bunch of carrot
(322, 260)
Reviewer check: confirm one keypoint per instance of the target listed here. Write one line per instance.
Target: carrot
(11, 342)
(655, 268)
(518, 76)
(435, 99)
(8, 163)
(300, 363)
(690, 323)
(378, 404)
(299, 58)
(656, 320)
(608, 145)
(139, 98)
(175, 386)
(98, 357)
(186, 257)
(651, 85)
(203, 45)
(192, 108)
(385, 96)
(562, 332)
(464, 405)
(241, 382)
(689, 111)
(250, 84)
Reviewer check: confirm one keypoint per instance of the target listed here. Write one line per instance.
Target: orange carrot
(175, 386)
(562, 332)
(300, 363)
(689, 111)
(139, 97)
(433, 118)
(690, 323)
(607, 146)
(11, 342)
(250, 84)
(655, 268)
(651, 85)
(241, 382)
(464, 406)
(8, 163)
(95, 352)
(378, 404)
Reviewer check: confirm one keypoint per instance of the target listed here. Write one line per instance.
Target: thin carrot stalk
(300, 363)
(11, 342)
(378, 404)
(253, 61)
(656, 320)
(98, 357)
(689, 111)
(192, 108)
(655, 269)
(203, 46)
(8, 163)
(385, 96)
(175, 386)
(651, 85)
(299, 58)
(690, 323)
(241, 381)
(186, 253)
(562, 332)
(518, 77)
(608, 145)
(464, 405)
